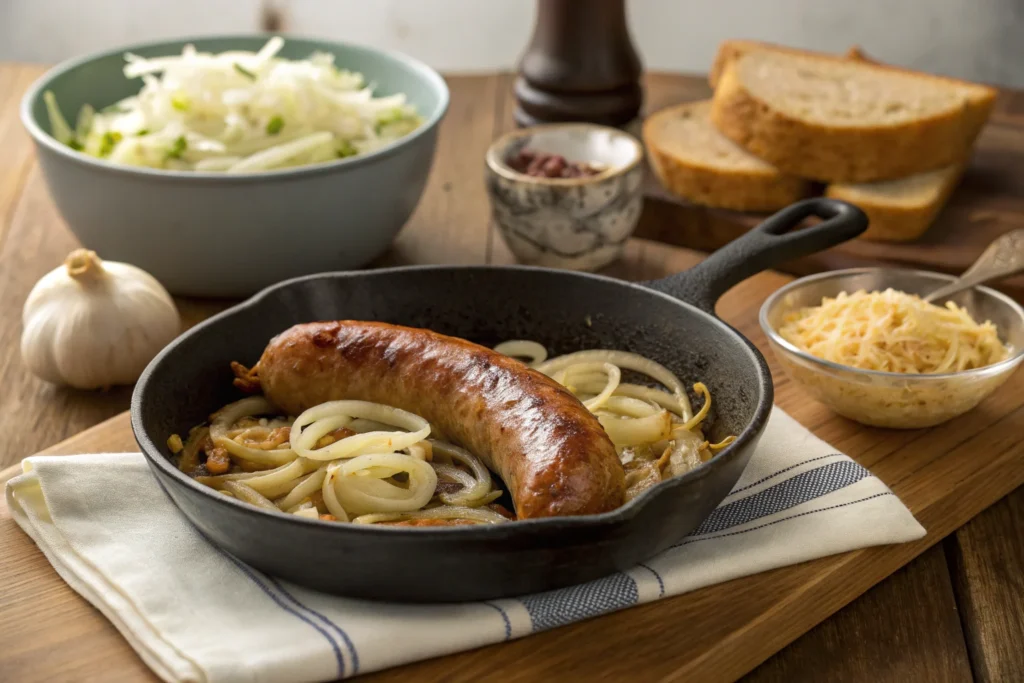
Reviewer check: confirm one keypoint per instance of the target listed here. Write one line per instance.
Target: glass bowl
(889, 399)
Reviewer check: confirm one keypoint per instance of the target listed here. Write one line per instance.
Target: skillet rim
(621, 515)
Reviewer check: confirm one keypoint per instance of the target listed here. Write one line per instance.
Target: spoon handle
(1002, 258)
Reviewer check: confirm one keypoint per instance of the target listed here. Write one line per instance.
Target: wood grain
(44, 410)
(54, 413)
(450, 224)
(988, 555)
(899, 624)
(16, 147)
(883, 649)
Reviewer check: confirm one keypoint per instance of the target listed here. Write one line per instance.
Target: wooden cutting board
(988, 202)
(945, 475)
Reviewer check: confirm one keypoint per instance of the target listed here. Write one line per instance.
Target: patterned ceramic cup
(578, 223)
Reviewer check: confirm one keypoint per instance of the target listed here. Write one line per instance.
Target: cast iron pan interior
(669, 320)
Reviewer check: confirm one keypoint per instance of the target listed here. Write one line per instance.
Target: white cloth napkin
(195, 614)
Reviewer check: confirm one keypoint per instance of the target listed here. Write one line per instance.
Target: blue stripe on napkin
(690, 540)
(782, 471)
(784, 495)
(618, 591)
(309, 611)
(280, 602)
(661, 584)
(564, 606)
(504, 617)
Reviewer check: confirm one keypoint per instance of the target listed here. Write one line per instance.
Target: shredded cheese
(892, 331)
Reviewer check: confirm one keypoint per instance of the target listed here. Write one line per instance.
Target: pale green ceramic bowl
(208, 234)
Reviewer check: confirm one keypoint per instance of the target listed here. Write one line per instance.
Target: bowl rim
(1007, 363)
(746, 438)
(497, 164)
(41, 137)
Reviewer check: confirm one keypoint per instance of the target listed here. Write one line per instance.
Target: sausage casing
(550, 451)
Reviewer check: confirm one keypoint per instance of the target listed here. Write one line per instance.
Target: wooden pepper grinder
(580, 66)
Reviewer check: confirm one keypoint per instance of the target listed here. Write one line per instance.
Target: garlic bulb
(91, 324)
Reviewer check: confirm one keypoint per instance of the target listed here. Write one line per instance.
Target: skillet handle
(764, 247)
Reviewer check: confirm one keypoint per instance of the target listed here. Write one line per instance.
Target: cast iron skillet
(670, 320)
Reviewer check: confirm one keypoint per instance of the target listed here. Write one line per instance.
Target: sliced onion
(486, 500)
(421, 451)
(308, 513)
(455, 474)
(699, 417)
(727, 441)
(482, 515)
(304, 505)
(657, 396)
(629, 361)
(258, 432)
(246, 494)
(469, 495)
(316, 430)
(374, 517)
(274, 479)
(362, 425)
(279, 490)
(310, 484)
(631, 407)
(635, 431)
(224, 418)
(306, 430)
(330, 498)
(361, 487)
(217, 481)
(521, 348)
(589, 372)
(189, 458)
(270, 483)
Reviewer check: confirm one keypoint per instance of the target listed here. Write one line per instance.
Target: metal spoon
(1002, 258)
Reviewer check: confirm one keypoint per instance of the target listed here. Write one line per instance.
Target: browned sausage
(496, 507)
(550, 451)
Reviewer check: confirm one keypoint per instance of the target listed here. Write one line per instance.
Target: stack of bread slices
(783, 121)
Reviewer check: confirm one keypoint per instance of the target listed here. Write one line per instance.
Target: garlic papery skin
(93, 324)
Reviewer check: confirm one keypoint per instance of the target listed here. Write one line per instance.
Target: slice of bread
(835, 119)
(693, 160)
(729, 50)
(900, 210)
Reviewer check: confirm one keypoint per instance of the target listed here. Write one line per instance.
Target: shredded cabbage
(237, 112)
(893, 331)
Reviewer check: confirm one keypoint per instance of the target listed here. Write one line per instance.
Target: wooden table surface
(954, 614)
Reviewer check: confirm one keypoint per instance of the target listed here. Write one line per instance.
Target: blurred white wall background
(979, 39)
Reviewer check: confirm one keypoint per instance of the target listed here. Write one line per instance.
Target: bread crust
(708, 185)
(894, 222)
(730, 50)
(840, 154)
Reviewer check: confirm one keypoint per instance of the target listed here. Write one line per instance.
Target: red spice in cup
(544, 165)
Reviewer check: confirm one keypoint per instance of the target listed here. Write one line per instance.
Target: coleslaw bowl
(215, 234)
